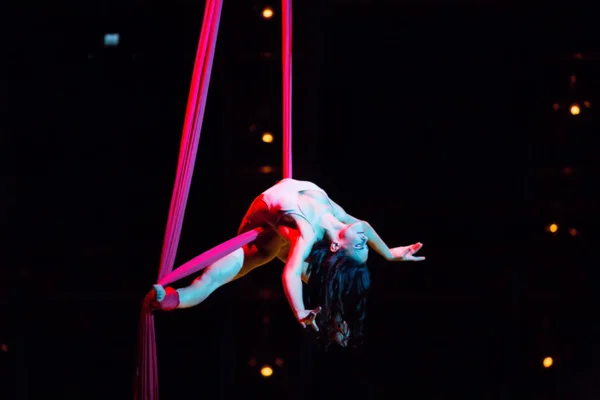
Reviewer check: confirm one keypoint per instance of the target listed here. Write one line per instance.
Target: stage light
(552, 228)
(555, 106)
(267, 13)
(575, 110)
(548, 362)
(573, 232)
(266, 371)
(267, 137)
(111, 39)
(587, 104)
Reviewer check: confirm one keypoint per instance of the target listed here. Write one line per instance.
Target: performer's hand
(406, 253)
(307, 318)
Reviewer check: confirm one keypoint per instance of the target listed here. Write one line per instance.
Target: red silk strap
(286, 38)
(169, 303)
(208, 257)
(146, 377)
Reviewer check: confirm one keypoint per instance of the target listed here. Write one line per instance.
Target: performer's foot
(159, 292)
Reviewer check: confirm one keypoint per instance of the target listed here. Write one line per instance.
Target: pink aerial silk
(146, 378)
(286, 56)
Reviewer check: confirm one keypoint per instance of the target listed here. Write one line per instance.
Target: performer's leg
(231, 267)
(214, 276)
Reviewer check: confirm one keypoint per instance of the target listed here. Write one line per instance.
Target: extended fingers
(314, 325)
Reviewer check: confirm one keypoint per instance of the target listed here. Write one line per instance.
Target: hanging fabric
(146, 378)
(286, 57)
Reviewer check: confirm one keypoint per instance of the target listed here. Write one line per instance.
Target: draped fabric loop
(146, 377)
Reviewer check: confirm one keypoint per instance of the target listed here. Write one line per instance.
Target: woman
(319, 243)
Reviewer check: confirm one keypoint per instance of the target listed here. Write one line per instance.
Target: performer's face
(352, 238)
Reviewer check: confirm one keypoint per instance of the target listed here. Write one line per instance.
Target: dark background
(434, 122)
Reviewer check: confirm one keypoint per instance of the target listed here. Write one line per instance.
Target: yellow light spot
(553, 228)
(575, 110)
(267, 13)
(548, 362)
(266, 371)
(267, 137)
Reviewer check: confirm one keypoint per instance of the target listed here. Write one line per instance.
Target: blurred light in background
(111, 39)
(548, 361)
(553, 228)
(266, 169)
(266, 371)
(267, 137)
(267, 13)
(575, 110)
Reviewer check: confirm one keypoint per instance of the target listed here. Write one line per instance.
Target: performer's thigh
(264, 249)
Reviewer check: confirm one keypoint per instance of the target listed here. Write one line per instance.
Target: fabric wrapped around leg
(169, 303)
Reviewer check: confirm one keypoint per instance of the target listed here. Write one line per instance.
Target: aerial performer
(320, 245)
(294, 221)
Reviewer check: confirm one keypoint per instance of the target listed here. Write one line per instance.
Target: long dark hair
(339, 284)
